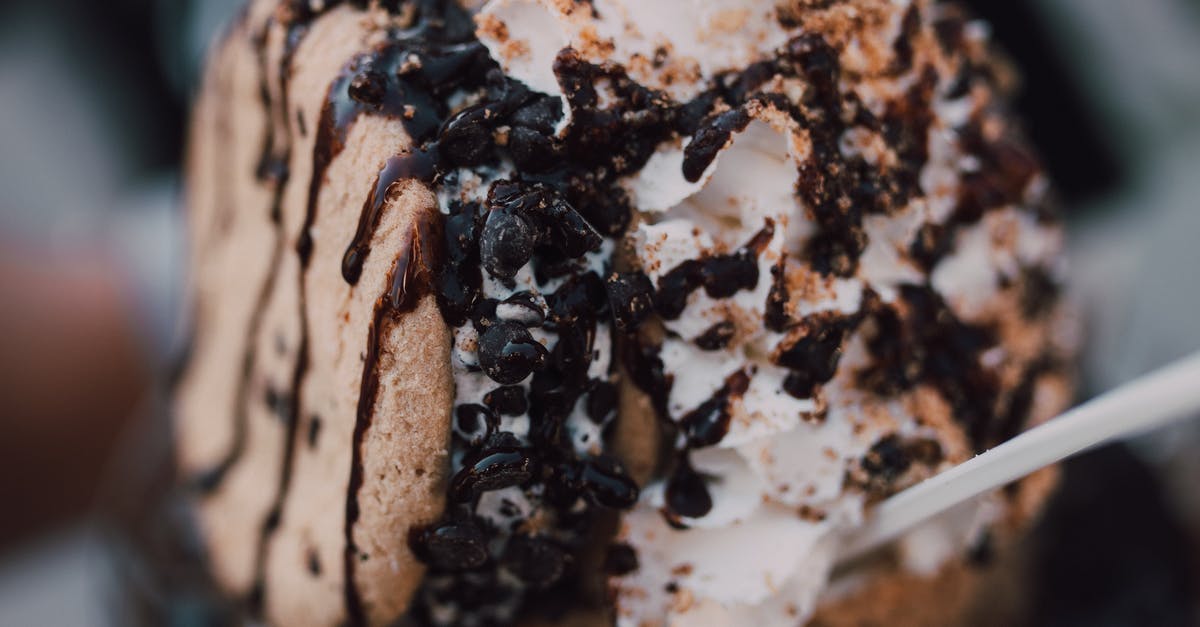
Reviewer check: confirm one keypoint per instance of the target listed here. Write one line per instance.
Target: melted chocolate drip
(410, 278)
(721, 276)
(687, 494)
(707, 424)
(417, 165)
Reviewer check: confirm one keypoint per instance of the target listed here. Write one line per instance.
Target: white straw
(1142, 405)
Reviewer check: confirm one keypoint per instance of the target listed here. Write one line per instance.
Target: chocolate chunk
(813, 356)
(687, 494)
(455, 546)
(606, 483)
(508, 353)
(583, 296)
(540, 114)
(620, 560)
(475, 422)
(707, 424)
(537, 561)
(631, 296)
(568, 231)
(602, 402)
(458, 292)
(727, 274)
(717, 336)
(572, 354)
(508, 400)
(532, 151)
(506, 244)
(606, 207)
(710, 140)
(465, 140)
(494, 469)
(675, 286)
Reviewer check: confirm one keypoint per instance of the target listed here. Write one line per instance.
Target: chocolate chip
(620, 560)
(631, 296)
(539, 114)
(675, 286)
(508, 400)
(583, 296)
(535, 560)
(707, 424)
(455, 546)
(458, 293)
(801, 384)
(602, 402)
(531, 151)
(466, 139)
(475, 422)
(568, 231)
(605, 207)
(710, 140)
(494, 469)
(813, 356)
(572, 354)
(717, 336)
(606, 483)
(508, 353)
(462, 229)
(687, 495)
(506, 244)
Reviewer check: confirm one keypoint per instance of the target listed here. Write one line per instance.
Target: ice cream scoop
(543, 307)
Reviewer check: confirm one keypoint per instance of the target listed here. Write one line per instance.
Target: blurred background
(93, 106)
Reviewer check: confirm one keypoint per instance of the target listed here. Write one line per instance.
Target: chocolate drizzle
(416, 165)
(410, 278)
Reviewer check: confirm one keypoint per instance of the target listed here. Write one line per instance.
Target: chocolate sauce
(410, 278)
(717, 336)
(711, 139)
(707, 424)
(687, 493)
(812, 351)
(721, 276)
(418, 165)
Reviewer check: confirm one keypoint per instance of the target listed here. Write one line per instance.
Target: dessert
(606, 310)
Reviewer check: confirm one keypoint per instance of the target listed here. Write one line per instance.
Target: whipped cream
(778, 478)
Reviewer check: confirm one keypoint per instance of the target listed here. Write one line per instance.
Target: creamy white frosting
(703, 36)
(762, 555)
